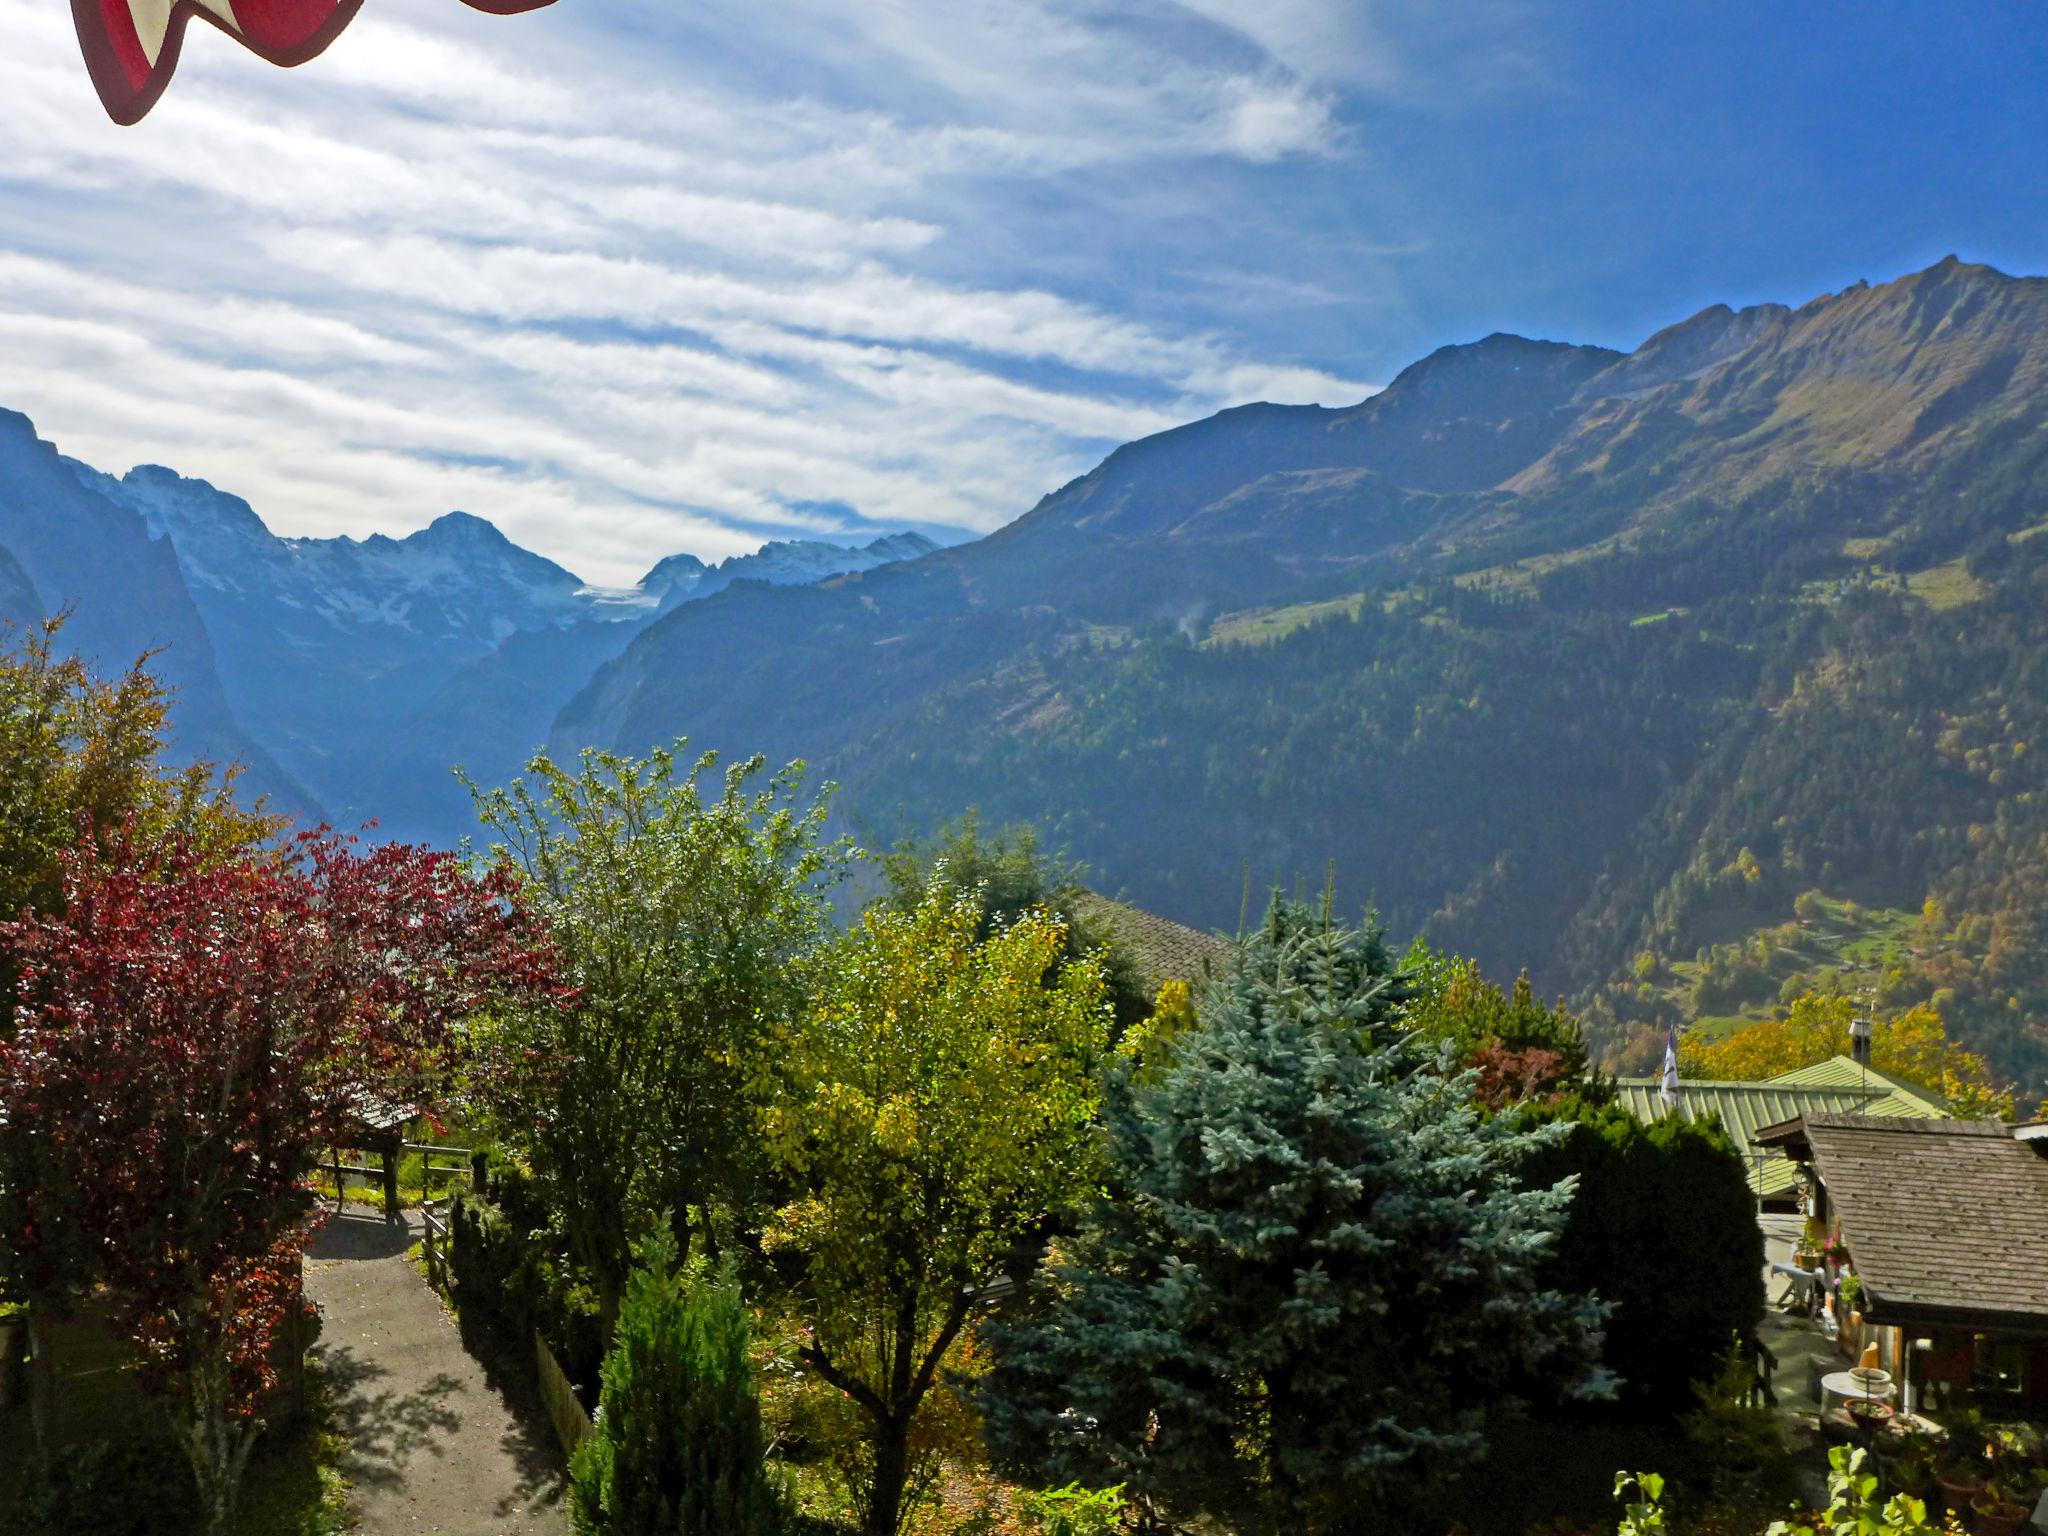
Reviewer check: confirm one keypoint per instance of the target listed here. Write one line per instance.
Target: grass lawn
(1263, 627)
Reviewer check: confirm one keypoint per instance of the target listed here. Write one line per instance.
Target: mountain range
(349, 674)
(1580, 660)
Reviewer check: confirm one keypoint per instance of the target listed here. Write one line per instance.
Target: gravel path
(436, 1442)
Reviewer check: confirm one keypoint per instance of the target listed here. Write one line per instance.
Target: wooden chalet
(1946, 1227)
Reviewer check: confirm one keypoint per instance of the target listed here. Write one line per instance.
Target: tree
(1317, 1271)
(1913, 1045)
(80, 752)
(1664, 1225)
(679, 918)
(1523, 1049)
(936, 1113)
(1009, 874)
(191, 1030)
(679, 1448)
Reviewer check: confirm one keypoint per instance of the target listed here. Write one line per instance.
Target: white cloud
(641, 281)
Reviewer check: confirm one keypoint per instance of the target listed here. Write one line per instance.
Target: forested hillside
(1596, 661)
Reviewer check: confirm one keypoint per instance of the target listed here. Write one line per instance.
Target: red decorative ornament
(131, 46)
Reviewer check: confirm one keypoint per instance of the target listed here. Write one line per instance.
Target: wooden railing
(436, 1244)
(565, 1410)
(457, 1163)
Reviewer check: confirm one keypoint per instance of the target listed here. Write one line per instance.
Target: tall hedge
(1664, 1226)
(679, 1448)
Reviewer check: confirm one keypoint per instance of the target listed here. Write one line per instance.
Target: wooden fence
(436, 1244)
(571, 1423)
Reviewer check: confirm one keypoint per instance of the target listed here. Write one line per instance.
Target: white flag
(1671, 1068)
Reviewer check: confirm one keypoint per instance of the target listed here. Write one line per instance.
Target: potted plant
(1997, 1513)
(1912, 1468)
(2007, 1502)
(1812, 1243)
(1961, 1475)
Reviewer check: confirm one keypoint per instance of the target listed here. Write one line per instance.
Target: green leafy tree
(679, 918)
(1913, 1044)
(1524, 1048)
(679, 1448)
(1008, 874)
(1320, 1271)
(937, 1110)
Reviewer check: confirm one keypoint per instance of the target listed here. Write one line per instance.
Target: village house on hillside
(1945, 1226)
(1157, 948)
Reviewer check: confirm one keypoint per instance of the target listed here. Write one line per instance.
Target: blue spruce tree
(1314, 1274)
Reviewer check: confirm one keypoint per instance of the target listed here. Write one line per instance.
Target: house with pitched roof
(1157, 948)
(1946, 1227)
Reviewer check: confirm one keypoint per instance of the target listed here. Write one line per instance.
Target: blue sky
(635, 277)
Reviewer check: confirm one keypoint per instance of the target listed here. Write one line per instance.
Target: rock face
(328, 645)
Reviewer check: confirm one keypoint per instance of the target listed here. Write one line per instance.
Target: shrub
(111, 1488)
(679, 1448)
(1664, 1227)
(1077, 1511)
(511, 1279)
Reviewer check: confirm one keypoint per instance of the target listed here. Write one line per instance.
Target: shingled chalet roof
(1946, 1220)
(1159, 949)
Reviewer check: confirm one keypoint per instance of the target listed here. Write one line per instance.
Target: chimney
(1860, 1033)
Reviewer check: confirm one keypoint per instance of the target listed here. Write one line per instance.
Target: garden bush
(110, 1488)
(679, 1448)
(1664, 1227)
(510, 1278)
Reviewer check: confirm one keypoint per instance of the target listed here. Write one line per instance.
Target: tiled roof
(1745, 1109)
(1945, 1219)
(1159, 949)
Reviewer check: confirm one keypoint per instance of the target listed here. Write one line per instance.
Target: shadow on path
(441, 1438)
(353, 1235)
(385, 1429)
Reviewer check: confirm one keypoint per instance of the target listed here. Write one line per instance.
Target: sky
(638, 277)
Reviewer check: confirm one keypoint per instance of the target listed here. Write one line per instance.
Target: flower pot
(1999, 1519)
(1959, 1495)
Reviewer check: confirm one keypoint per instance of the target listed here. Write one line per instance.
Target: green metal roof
(1841, 1072)
(1839, 1086)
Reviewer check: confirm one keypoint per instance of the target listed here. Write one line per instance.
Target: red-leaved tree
(191, 1031)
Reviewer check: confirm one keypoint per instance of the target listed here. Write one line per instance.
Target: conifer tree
(1318, 1273)
(679, 1448)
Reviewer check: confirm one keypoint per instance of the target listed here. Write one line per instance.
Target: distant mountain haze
(348, 674)
(1579, 660)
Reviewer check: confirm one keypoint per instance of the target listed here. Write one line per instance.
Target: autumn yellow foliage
(1913, 1045)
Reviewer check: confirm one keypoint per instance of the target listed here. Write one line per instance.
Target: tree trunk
(41, 1386)
(892, 1473)
(216, 1443)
